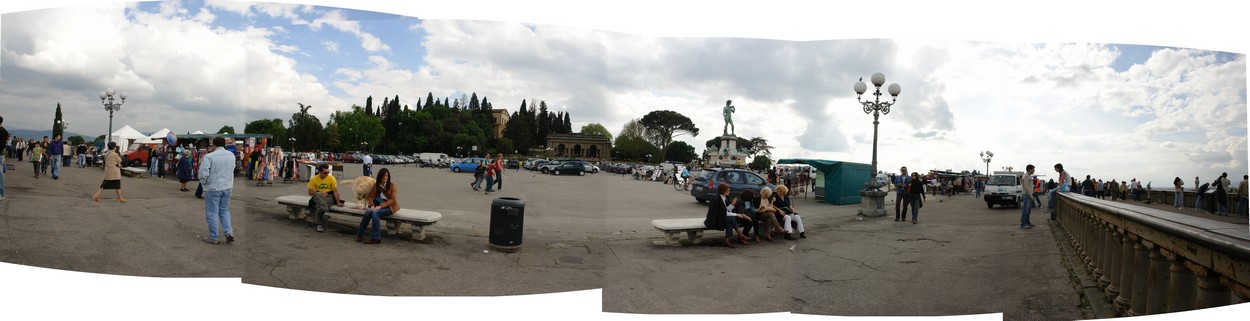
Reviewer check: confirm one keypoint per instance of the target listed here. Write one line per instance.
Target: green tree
(760, 163)
(519, 129)
(680, 151)
(596, 129)
(226, 130)
(630, 148)
(57, 129)
(76, 139)
(759, 146)
(333, 140)
(666, 124)
(357, 127)
(306, 129)
(273, 127)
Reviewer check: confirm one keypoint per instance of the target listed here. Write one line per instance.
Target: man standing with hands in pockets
(217, 178)
(1026, 186)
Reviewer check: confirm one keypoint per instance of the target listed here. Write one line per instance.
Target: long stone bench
(406, 221)
(134, 171)
(672, 228)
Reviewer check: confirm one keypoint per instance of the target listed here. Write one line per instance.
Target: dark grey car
(704, 186)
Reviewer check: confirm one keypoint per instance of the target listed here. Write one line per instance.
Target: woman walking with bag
(915, 193)
(112, 174)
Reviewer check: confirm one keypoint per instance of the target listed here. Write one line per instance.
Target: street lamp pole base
(872, 203)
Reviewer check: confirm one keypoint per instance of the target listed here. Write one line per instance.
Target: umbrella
(171, 138)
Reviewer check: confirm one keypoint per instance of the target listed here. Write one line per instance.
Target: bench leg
(393, 227)
(672, 237)
(695, 236)
(295, 213)
(418, 233)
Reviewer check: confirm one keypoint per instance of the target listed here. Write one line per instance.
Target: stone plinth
(872, 203)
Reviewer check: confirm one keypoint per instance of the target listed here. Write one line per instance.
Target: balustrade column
(1113, 264)
(1157, 286)
(1211, 293)
(1094, 244)
(1125, 298)
(1183, 288)
(1141, 278)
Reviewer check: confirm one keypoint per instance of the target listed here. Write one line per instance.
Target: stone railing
(1150, 261)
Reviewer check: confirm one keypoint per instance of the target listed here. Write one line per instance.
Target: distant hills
(38, 134)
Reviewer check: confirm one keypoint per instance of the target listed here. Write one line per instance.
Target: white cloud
(338, 21)
(330, 45)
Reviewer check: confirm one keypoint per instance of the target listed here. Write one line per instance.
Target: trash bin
(507, 221)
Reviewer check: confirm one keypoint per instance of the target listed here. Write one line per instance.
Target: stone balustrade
(1150, 261)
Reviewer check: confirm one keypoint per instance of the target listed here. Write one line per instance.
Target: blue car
(466, 165)
(704, 186)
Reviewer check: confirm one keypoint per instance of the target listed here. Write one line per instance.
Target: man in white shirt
(367, 163)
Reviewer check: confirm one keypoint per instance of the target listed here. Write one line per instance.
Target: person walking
(217, 176)
(491, 169)
(499, 172)
(36, 156)
(1029, 198)
(112, 174)
(382, 204)
(366, 163)
(901, 183)
(915, 193)
(4, 166)
(478, 175)
(81, 152)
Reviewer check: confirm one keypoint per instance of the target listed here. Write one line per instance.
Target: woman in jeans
(915, 193)
(1180, 192)
(382, 203)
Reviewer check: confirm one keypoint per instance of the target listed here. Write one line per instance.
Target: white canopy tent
(160, 134)
(125, 136)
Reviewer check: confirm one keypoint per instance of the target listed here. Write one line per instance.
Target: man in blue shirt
(217, 178)
(900, 186)
(56, 150)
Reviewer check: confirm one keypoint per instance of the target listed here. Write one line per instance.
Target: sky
(1115, 111)
(1107, 89)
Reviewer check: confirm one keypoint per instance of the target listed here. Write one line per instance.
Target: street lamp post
(876, 107)
(986, 156)
(293, 149)
(106, 98)
(366, 146)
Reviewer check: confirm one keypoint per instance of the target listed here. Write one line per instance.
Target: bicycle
(682, 183)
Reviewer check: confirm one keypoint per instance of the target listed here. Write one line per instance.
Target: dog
(362, 185)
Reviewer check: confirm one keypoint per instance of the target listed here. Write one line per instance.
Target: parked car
(349, 158)
(466, 165)
(705, 181)
(569, 167)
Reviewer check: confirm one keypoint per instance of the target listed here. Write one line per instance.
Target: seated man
(325, 191)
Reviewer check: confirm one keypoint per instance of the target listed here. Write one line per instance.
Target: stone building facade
(579, 146)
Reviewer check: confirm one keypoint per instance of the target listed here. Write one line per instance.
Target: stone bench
(672, 228)
(406, 221)
(134, 171)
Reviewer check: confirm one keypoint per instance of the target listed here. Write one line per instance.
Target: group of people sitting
(739, 215)
(382, 201)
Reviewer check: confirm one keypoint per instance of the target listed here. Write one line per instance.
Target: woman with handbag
(112, 174)
(915, 195)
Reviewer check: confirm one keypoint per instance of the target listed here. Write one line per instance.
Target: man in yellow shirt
(325, 191)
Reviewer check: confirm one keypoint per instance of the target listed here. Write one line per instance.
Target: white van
(1004, 188)
(433, 158)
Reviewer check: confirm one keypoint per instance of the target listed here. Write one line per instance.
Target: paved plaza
(581, 232)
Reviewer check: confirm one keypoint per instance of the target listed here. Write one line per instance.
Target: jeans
(4, 168)
(1025, 211)
(82, 160)
(1050, 199)
(217, 208)
(1198, 203)
(499, 180)
(152, 167)
(56, 165)
(374, 216)
(1180, 198)
(490, 183)
(900, 205)
(477, 183)
(368, 168)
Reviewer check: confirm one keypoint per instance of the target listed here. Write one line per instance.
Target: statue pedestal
(872, 203)
(728, 155)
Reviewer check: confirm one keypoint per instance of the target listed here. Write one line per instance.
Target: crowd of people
(738, 216)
